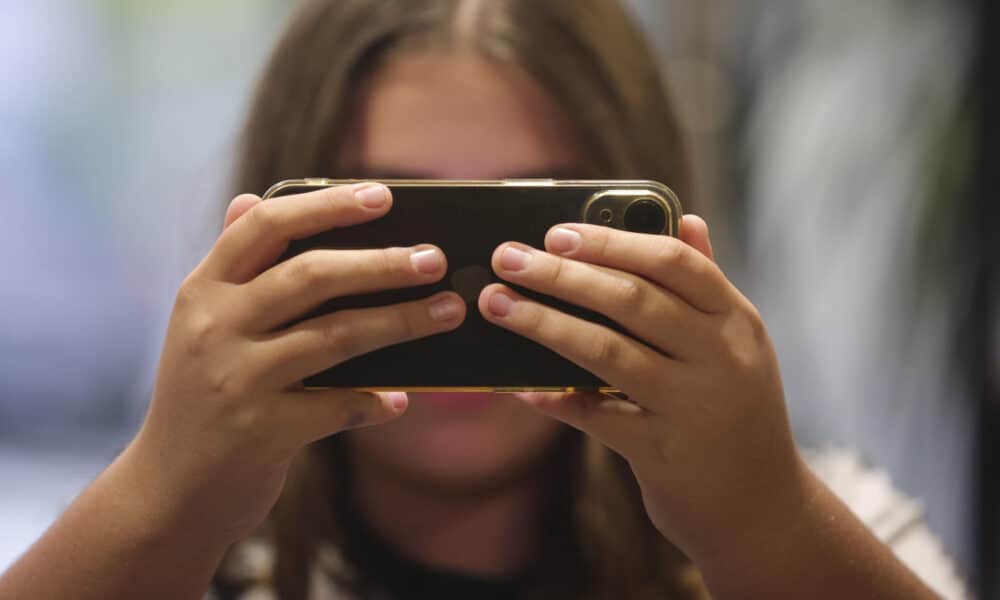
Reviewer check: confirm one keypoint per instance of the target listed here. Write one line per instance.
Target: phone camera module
(645, 216)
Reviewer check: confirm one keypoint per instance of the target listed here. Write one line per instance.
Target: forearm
(810, 546)
(115, 541)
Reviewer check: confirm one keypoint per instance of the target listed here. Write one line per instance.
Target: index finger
(259, 237)
(666, 261)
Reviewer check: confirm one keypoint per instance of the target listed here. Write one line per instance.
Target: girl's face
(458, 116)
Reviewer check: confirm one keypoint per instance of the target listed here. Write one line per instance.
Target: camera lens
(607, 215)
(645, 216)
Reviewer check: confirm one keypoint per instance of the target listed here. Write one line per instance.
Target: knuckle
(535, 319)
(394, 261)
(602, 240)
(605, 349)
(196, 322)
(337, 198)
(382, 262)
(558, 273)
(202, 329)
(188, 294)
(630, 294)
(265, 216)
(702, 269)
(307, 268)
(228, 383)
(741, 358)
(756, 323)
(336, 344)
(246, 419)
(742, 336)
(406, 324)
(414, 323)
(334, 197)
(671, 251)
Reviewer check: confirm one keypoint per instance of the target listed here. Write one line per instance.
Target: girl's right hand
(228, 411)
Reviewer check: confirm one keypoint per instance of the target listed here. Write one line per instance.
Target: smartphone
(468, 220)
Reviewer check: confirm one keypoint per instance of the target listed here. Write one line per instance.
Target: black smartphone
(468, 220)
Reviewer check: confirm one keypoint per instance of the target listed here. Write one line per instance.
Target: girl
(693, 486)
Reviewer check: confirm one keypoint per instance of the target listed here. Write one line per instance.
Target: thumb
(694, 232)
(314, 414)
(238, 207)
(609, 419)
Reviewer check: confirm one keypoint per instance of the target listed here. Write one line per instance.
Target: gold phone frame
(627, 189)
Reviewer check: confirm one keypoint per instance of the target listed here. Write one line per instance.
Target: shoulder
(247, 573)
(893, 517)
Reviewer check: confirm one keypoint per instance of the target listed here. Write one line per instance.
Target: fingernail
(564, 240)
(427, 261)
(397, 400)
(513, 259)
(444, 309)
(623, 407)
(373, 195)
(500, 304)
(532, 398)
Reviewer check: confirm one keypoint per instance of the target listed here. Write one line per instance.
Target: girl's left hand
(705, 429)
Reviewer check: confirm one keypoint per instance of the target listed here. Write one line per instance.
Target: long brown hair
(592, 62)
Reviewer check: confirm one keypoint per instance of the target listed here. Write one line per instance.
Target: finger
(645, 310)
(616, 358)
(538, 397)
(255, 241)
(694, 232)
(667, 261)
(238, 207)
(293, 287)
(315, 414)
(322, 342)
(618, 424)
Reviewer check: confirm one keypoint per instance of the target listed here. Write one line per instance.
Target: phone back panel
(468, 220)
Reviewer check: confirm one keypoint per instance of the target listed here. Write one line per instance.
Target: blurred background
(842, 157)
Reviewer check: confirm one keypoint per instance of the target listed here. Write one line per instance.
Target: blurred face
(458, 116)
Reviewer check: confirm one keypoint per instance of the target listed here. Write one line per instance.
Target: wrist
(158, 511)
(808, 544)
(768, 537)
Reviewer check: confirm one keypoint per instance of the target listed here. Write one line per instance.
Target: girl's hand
(228, 411)
(705, 429)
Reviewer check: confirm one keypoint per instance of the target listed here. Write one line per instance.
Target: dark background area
(984, 220)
